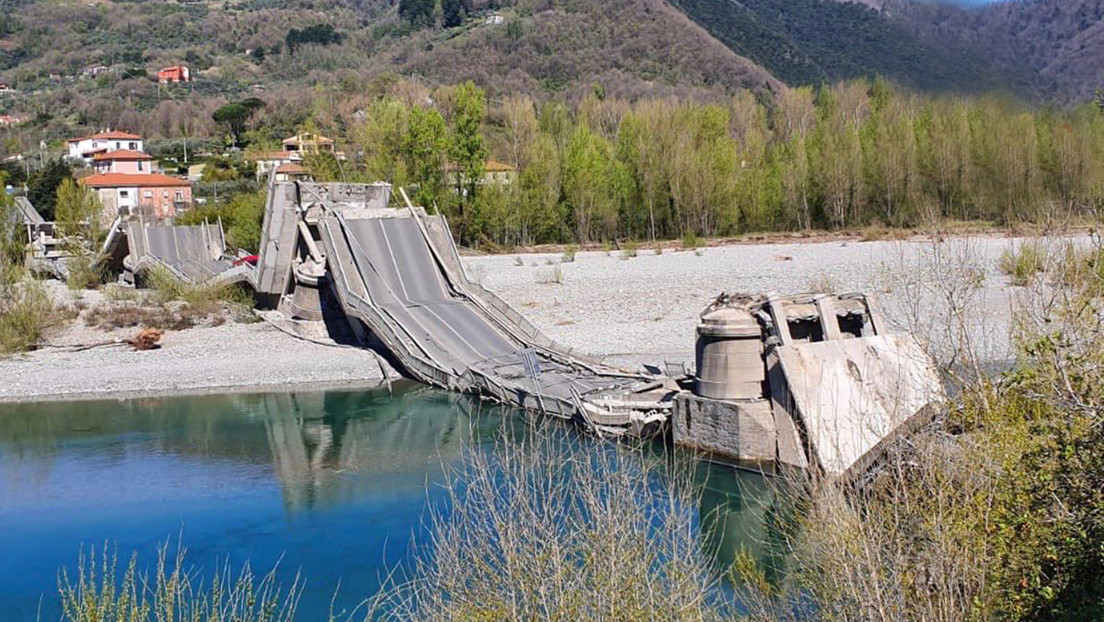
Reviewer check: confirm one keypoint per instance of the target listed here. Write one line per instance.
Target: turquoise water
(332, 485)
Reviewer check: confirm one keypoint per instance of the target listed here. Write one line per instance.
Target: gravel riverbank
(232, 357)
(645, 308)
(638, 309)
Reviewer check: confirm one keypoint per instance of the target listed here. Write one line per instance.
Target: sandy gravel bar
(227, 358)
(645, 308)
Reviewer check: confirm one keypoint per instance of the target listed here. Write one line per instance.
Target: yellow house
(495, 173)
(308, 142)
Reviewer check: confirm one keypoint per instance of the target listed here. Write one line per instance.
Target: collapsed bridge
(397, 276)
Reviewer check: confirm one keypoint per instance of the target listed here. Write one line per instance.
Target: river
(332, 485)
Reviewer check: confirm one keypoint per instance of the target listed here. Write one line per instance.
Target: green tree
(323, 166)
(588, 185)
(466, 146)
(43, 185)
(317, 34)
(235, 115)
(541, 213)
(454, 12)
(426, 151)
(79, 214)
(419, 13)
(381, 137)
(241, 216)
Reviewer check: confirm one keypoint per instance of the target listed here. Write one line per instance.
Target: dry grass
(203, 297)
(550, 276)
(98, 593)
(129, 315)
(542, 528)
(569, 253)
(26, 313)
(822, 283)
(1024, 262)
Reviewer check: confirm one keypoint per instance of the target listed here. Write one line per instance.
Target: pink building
(155, 195)
(174, 74)
(122, 161)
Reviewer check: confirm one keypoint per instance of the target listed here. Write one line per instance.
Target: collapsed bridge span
(397, 274)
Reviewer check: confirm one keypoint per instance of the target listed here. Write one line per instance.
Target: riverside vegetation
(992, 512)
(850, 155)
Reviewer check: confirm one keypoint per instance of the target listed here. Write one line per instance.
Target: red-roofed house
(291, 172)
(267, 162)
(86, 147)
(123, 161)
(174, 74)
(160, 196)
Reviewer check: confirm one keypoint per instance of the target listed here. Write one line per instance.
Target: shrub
(1023, 263)
(690, 240)
(569, 253)
(241, 216)
(84, 272)
(822, 283)
(98, 592)
(550, 276)
(202, 296)
(542, 528)
(119, 293)
(629, 249)
(26, 312)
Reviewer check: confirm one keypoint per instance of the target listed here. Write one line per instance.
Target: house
(86, 147)
(174, 75)
(494, 18)
(291, 172)
(157, 196)
(92, 71)
(495, 173)
(7, 120)
(122, 161)
(306, 142)
(195, 171)
(6, 89)
(268, 162)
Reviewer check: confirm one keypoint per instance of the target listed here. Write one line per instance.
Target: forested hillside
(80, 65)
(807, 42)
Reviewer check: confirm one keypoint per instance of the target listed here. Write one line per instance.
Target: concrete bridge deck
(398, 274)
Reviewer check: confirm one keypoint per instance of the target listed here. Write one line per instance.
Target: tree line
(847, 155)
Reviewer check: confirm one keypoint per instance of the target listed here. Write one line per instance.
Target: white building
(86, 147)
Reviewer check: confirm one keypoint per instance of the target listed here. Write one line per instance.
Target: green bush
(690, 240)
(629, 249)
(569, 253)
(26, 311)
(241, 216)
(201, 297)
(98, 592)
(1023, 263)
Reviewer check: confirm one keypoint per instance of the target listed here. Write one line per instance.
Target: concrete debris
(802, 381)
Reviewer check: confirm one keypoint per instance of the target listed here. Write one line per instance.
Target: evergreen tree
(453, 12)
(419, 13)
(43, 185)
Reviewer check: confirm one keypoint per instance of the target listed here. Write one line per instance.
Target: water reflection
(333, 484)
